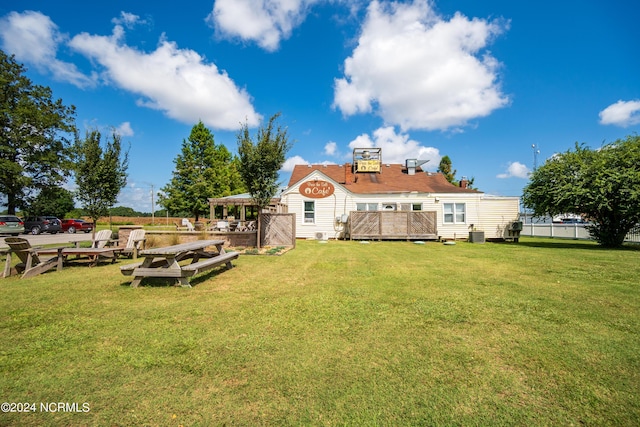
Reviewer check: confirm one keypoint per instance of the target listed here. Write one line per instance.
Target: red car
(73, 225)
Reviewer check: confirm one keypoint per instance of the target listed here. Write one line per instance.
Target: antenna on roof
(535, 156)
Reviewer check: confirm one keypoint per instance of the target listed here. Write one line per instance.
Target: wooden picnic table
(164, 262)
(94, 254)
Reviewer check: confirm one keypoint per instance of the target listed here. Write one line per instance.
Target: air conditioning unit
(322, 235)
(516, 226)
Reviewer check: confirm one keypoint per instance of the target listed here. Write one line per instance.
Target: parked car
(573, 221)
(11, 224)
(42, 224)
(73, 225)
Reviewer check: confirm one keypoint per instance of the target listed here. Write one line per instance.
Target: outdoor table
(164, 262)
(94, 254)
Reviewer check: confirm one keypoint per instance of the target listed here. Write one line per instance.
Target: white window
(454, 213)
(366, 206)
(309, 212)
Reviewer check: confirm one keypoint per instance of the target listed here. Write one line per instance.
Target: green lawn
(544, 332)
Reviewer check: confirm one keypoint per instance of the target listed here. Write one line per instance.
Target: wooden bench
(184, 273)
(209, 263)
(127, 270)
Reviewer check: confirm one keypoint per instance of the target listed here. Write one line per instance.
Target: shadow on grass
(159, 282)
(574, 244)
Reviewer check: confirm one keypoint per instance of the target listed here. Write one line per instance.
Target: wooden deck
(396, 225)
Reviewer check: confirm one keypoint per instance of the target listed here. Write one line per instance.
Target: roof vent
(412, 165)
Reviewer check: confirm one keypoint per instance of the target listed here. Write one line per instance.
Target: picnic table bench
(164, 262)
(94, 254)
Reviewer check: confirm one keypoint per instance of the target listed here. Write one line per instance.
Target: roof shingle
(393, 179)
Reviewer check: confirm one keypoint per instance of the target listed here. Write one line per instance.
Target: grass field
(543, 332)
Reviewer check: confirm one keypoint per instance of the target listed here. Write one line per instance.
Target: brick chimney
(348, 174)
(464, 182)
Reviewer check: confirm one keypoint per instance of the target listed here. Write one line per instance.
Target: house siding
(488, 213)
(497, 214)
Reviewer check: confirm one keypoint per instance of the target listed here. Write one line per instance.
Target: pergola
(240, 203)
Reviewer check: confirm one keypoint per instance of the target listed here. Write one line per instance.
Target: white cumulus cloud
(622, 113)
(291, 162)
(419, 71)
(265, 22)
(396, 148)
(34, 39)
(331, 148)
(177, 81)
(515, 170)
(125, 129)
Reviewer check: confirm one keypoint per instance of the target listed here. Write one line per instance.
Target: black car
(42, 224)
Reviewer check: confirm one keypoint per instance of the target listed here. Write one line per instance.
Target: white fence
(567, 231)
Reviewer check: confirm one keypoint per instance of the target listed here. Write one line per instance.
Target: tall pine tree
(445, 169)
(203, 170)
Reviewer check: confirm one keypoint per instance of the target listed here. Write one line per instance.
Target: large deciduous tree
(203, 170)
(35, 132)
(603, 185)
(53, 200)
(261, 161)
(100, 173)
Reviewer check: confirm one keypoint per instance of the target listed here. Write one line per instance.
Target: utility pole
(153, 209)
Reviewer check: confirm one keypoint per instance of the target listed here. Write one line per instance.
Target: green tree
(445, 169)
(35, 131)
(203, 170)
(100, 173)
(124, 211)
(603, 185)
(261, 161)
(52, 200)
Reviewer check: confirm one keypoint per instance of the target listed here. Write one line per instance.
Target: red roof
(393, 179)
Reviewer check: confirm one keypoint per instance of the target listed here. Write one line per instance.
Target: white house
(331, 201)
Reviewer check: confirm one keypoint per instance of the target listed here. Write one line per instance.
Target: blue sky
(481, 82)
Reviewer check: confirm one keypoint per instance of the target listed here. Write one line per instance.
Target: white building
(332, 201)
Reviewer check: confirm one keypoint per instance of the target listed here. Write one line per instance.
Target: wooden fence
(278, 229)
(406, 225)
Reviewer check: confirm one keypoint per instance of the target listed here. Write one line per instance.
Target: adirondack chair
(30, 263)
(135, 242)
(103, 237)
(187, 223)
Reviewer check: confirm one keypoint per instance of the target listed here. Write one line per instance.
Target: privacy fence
(392, 225)
(569, 231)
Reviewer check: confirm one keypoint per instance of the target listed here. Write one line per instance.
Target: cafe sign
(316, 189)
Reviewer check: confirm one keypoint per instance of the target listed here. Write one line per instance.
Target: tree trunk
(11, 204)
(259, 225)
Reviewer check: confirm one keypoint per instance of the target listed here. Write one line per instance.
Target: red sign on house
(316, 189)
